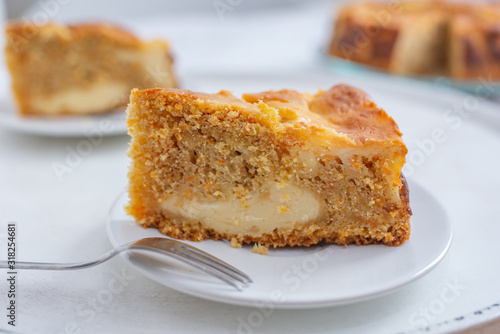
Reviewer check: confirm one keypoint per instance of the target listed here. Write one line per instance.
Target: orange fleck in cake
(81, 69)
(277, 168)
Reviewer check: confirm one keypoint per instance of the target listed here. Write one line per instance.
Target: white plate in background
(108, 124)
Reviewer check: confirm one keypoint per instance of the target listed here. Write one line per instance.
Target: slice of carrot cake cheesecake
(81, 69)
(278, 168)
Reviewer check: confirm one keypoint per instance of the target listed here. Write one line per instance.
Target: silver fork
(176, 249)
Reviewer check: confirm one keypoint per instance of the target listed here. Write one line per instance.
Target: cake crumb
(235, 243)
(260, 249)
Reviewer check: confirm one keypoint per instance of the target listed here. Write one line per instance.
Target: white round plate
(109, 124)
(299, 278)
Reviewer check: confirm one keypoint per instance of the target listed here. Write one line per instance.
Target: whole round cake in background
(459, 40)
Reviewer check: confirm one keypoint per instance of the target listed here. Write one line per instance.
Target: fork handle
(74, 265)
(50, 266)
(60, 266)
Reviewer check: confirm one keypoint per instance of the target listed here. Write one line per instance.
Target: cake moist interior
(202, 168)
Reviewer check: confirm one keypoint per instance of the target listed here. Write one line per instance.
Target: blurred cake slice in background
(278, 168)
(81, 69)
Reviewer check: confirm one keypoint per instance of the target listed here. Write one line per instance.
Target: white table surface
(64, 220)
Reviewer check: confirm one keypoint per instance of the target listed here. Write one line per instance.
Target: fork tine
(196, 254)
(190, 260)
(216, 261)
(221, 267)
(217, 273)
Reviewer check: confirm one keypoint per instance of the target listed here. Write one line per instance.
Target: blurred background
(147, 7)
(223, 36)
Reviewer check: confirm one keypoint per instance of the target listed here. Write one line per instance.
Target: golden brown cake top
(347, 110)
(394, 9)
(401, 9)
(115, 34)
(344, 115)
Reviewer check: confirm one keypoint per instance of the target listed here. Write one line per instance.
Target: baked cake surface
(81, 69)
(460, 40)
(277, 168)
(474, 44)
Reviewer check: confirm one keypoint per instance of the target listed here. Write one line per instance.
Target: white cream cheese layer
(107, 95)
(276, 205)
(98, 97)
